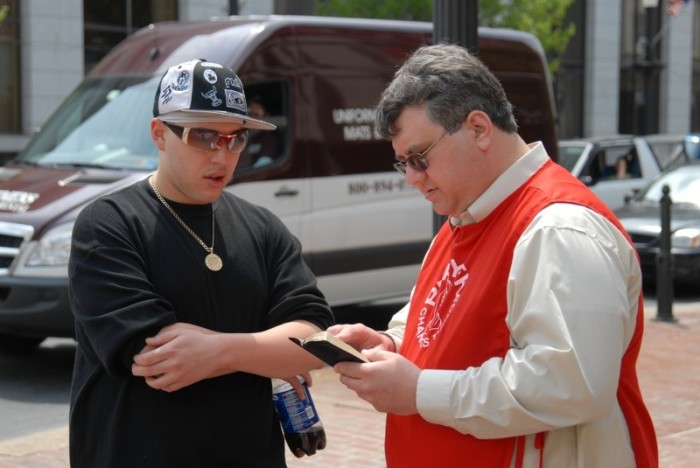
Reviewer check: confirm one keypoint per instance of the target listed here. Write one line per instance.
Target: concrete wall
(602, 71)
(202, 9)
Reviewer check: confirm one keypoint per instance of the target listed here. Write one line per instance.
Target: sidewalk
(669, 373)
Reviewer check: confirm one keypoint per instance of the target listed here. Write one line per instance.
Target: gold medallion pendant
(213, 262)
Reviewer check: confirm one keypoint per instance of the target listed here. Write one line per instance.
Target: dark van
(328, 175)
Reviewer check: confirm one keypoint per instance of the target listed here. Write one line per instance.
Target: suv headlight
(53, 249)
(686, 238)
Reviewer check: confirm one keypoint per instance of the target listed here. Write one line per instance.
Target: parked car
(616, 166)
(641, 218)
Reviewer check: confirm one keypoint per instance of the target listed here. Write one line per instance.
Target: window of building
(9, 71)
(108, 22)
(640, 67)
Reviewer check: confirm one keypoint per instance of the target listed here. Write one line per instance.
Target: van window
(269, 102)
(104, 123)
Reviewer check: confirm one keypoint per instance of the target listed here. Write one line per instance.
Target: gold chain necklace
(212, 261)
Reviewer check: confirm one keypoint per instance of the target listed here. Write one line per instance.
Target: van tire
(13, 344)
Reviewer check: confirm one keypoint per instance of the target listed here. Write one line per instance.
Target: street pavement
(669, 374)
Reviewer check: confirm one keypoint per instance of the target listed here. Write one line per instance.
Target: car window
(668, 153)
(267, 101)
(569, 155)
(612, 163)
(684, 186)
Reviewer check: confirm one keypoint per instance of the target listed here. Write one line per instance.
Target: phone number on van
(378, 186)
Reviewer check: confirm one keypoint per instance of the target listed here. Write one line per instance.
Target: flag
(675, 6)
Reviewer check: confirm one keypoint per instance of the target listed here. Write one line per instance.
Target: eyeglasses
(417, 161)
(209, 140)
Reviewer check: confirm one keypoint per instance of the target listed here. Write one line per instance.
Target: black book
(329, 349)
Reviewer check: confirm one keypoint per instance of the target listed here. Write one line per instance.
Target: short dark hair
(452, 83)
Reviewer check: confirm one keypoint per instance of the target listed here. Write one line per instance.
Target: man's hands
(389, 381)
(361, 337)
(182, 354)
(179, 355)
(296, 383)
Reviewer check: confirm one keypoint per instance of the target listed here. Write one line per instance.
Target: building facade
(630, 68)
(47, 48)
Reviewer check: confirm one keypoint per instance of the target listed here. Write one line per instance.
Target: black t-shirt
(133, 270)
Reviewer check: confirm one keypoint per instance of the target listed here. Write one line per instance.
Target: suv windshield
(104, 123)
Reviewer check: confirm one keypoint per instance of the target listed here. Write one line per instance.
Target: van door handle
(286, 192)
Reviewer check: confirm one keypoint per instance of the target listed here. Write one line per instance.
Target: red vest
(457, 320)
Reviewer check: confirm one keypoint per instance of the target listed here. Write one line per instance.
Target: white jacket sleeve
(572, 302)
(397, 324)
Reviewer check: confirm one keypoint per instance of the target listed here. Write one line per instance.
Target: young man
(519, 345)
(184, 297)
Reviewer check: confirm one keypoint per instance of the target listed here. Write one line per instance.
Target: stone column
(602, 67)
(52, 57)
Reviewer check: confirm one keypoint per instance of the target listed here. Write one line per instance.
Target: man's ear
(480, 124)
(158, 133)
